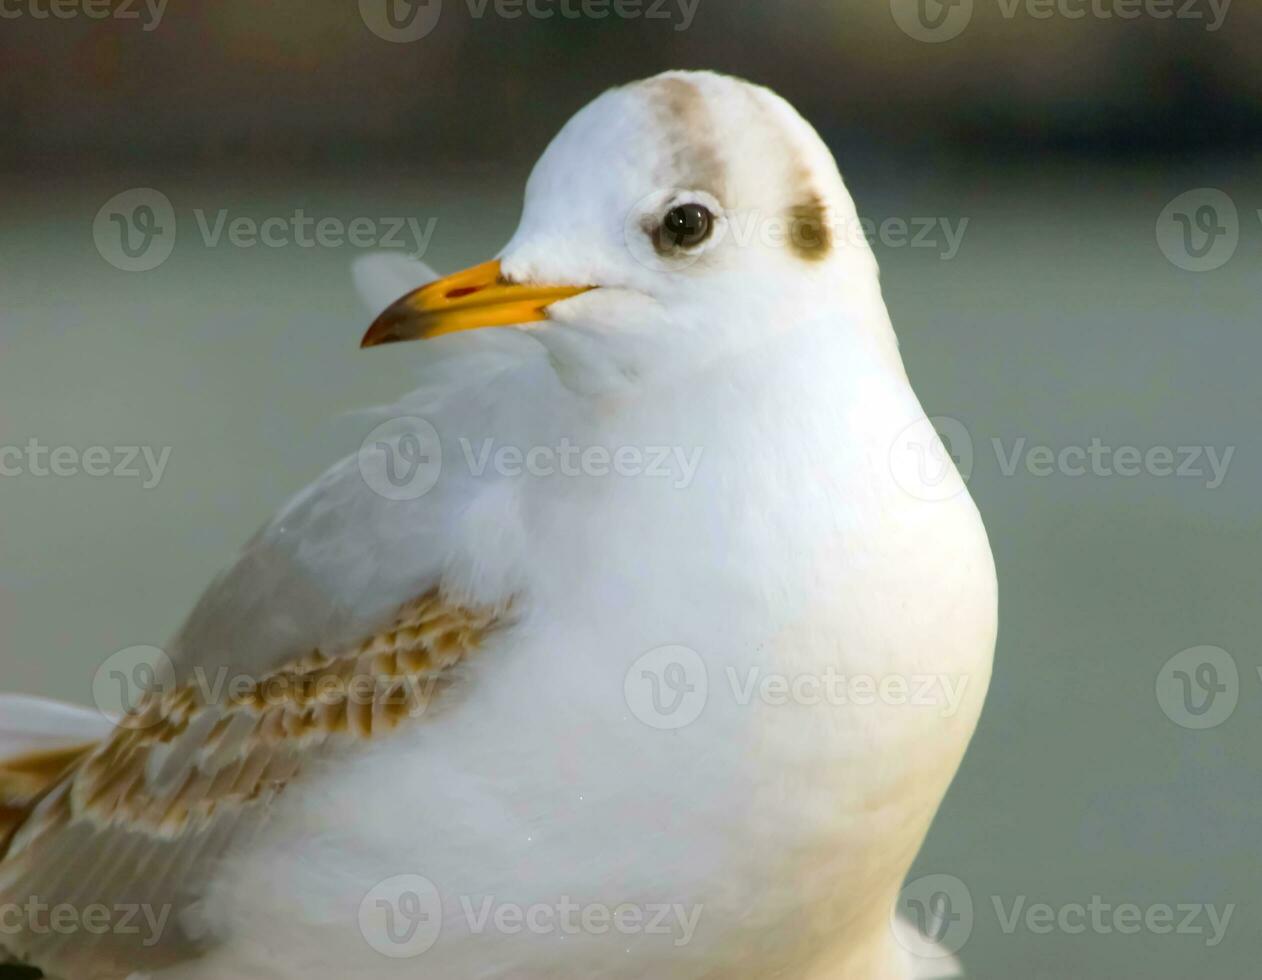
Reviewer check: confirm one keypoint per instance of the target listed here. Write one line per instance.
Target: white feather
(382, 277)
(31, 724)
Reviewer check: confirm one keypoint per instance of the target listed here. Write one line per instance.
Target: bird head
(671, 221)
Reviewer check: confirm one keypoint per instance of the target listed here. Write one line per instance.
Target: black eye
(687, 225)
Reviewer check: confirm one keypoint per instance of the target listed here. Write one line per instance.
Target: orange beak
(478, 297)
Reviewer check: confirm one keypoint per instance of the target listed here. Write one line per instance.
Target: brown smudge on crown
(697, 163)
(689, 131)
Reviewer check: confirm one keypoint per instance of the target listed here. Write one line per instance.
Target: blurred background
(1066, 201)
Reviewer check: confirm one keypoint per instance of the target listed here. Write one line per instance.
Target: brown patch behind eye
(810, 236)
(810, 233)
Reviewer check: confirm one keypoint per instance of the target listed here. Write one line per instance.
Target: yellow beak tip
(385, 329)
(477, 297)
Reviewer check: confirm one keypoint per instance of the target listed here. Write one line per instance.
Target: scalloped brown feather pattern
(192, 770)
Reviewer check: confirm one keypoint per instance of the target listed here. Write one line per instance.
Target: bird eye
(687, 225)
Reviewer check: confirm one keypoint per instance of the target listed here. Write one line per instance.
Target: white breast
(785, 820)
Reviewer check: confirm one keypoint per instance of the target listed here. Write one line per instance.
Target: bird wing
(341, 621)
(134, 824)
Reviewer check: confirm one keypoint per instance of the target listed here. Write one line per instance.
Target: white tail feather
(30, 724)
(382, 277)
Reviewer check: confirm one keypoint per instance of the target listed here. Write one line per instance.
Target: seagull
(618, 651)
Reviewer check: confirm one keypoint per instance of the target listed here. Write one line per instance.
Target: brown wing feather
(191, 773)
(24, 779)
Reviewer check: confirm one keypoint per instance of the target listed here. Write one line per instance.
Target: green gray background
(1060, 320)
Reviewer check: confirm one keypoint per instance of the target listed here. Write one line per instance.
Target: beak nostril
(463, 291)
